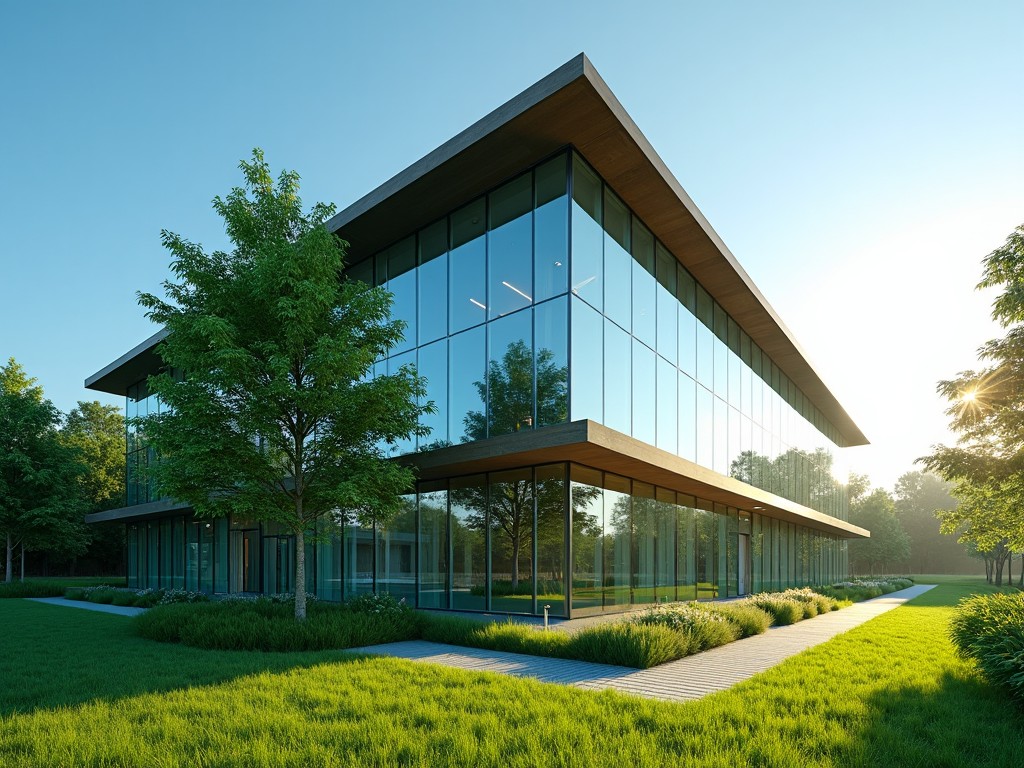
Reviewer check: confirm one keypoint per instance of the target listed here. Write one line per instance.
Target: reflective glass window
(587, 235)
(665, 545)
(396, 553)
(550, 230)
(509, 376)
(617, 378)
(645, 299)
(587, 500)
(668, 306)
(394, 366)
(617, 541)
(433, 544)
(432, 320)
(618, 264)
(550, 538)
(467, 267)
(467, 388)
(644, 526)
(357, 557)
(644, 395)
(363, 271)
(686, 550)
(401, 263)
(510, 247)
(705, 428)
(587, 368)
(511, 530)
(433, 365)
(468, 521)
(687, 417)
(551, 359)
(706, 550)
(721, 449)
(667, 419)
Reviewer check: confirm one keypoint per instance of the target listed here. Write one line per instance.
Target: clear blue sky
(858, 158)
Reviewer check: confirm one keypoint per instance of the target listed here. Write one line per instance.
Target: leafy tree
(918, 496)
(276, 417)
(986, 410)
(41, 505)
(988, 518)
(96, 431)
(888, 543)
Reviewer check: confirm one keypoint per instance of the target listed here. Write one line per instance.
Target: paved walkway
(688, 678)
(120, 610)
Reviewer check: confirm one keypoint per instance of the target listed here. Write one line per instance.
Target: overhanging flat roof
(595, 445)
(573, 106)
(129, 368)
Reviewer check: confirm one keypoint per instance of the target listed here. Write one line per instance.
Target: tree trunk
(300, 571)
(1009, 569)
(515, 564)
(23, 561)
(9, 572)
(988, 569)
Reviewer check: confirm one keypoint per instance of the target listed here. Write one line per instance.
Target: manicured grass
(82, 689)
(36, 587)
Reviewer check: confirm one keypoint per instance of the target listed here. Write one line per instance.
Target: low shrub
(750, 619)
(702, 628)
(102, 594)
(628, 644)
(990, 630)
(171, 596)
(262, 624)
(14, 589)
(783, 610)
(814, 602)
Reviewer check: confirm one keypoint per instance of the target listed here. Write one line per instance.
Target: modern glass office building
(621, 418)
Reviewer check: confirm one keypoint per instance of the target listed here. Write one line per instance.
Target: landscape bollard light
(546, 609)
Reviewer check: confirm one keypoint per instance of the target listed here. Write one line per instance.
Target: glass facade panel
(587, 235)
(552, 498)
(644, 529)
(432, 287)
(467, 385)
(433, 365)
(468, 496)
(511, 524)
(668, 306)
(401, 263)
(510, 392)
(587, 501)
(551, 361)
(396, 553)
(617, 378)
(644, 394)
(433, 545)
(510, 247)
(467, 268)
(587, 365)
(551, 229)
(618, 571)
(618, 264)
(668, 422)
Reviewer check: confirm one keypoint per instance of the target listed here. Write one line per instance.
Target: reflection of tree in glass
(509, 386)
(803, 476)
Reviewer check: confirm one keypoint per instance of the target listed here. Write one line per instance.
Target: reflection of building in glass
(621, 417)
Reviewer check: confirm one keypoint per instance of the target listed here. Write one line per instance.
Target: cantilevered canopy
(573, 106)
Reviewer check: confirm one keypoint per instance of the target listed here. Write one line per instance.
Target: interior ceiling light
(513, 288)
(474, 301)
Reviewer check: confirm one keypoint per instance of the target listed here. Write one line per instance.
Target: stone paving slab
(682, 680)
(117, 610)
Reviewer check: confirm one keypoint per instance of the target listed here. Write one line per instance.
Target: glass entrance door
(245, 563)
(278, 564)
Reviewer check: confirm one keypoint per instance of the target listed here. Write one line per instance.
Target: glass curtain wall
(656, 357)
(502, 542)
(482, 295)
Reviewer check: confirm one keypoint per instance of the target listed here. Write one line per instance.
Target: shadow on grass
(959, 722)
(55, 656)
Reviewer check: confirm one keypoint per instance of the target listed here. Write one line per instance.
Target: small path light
(546, 609)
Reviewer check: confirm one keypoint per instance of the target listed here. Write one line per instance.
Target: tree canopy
(274, 414)
(986, 411)
(41, 504)
(888, 543)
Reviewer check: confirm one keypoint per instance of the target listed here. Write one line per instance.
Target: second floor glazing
(548, 300)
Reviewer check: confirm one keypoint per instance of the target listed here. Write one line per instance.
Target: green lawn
(78, 688)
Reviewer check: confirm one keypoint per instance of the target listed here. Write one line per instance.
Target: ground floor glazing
(571, 538)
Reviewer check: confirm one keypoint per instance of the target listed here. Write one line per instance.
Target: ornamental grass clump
(15, 589)
(784, 610)
(264, 624)
(701, 628)
(990, 630)
(750, 619)
(814, 602)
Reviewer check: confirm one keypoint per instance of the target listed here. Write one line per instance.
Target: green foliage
(629, 645)
(748, 618)
(31, 589)
(782, 609)
(701, 628)
(96, 432)
(888, 543)
(261, 624)
(277, 416)
(41, 502)
(990, 630)
(891, 693)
